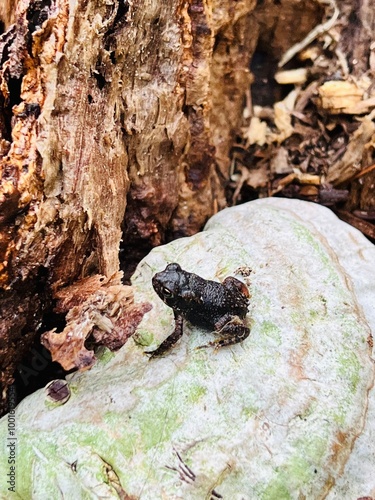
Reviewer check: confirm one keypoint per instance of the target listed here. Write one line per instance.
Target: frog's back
(212, 301)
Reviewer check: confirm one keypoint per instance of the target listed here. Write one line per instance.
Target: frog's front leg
(232, 329)
(171, 340)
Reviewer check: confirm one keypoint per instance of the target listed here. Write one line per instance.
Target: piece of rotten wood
(365, 227)
(349, 165)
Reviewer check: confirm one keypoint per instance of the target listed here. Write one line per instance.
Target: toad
(221, 307)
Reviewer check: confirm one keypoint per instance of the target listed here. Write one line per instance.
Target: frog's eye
(167, 292)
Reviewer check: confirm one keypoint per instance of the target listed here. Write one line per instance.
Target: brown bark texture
(7, 12)
(358, 43)
(116, 120)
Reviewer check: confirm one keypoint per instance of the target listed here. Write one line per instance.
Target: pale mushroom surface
(288, 413)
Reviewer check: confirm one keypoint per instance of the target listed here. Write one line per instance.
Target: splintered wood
(98, 308)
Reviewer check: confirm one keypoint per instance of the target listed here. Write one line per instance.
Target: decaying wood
(97, 307)
(356, 154)
(318, 30)
(7, 12)
(325, 125)
(283, 23)
(358, 44)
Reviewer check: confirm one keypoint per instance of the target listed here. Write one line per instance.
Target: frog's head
(168, 284)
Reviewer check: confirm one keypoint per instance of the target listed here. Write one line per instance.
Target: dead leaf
(256, 133)
(258, 178)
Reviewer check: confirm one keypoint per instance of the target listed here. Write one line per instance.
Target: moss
(304, 234)
(157, 427)
(199, 366)
(24, 461)
(312, 448)
(298, 470)
(323, 299)
(87, 435)
(51, 405)
(249, 412)
(29, 453)
(126, 440)
(339, 418)
(268, 362)
(314, 314)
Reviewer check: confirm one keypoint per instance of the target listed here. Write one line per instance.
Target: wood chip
(339, 96)
(365, 227)
(293, 76)
(350, 164)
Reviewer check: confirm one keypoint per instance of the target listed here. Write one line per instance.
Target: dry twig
(317, 31)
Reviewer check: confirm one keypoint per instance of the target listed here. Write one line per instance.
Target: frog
(211, 305)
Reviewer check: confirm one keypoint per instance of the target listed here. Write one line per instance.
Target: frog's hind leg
(236, 285)
(231, 329)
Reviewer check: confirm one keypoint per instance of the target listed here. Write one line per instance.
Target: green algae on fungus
(276, 490)
(104, 355)
(350, 369)
(269, 329)
(196, 393)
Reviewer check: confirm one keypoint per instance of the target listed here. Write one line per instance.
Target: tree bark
(358, 44)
